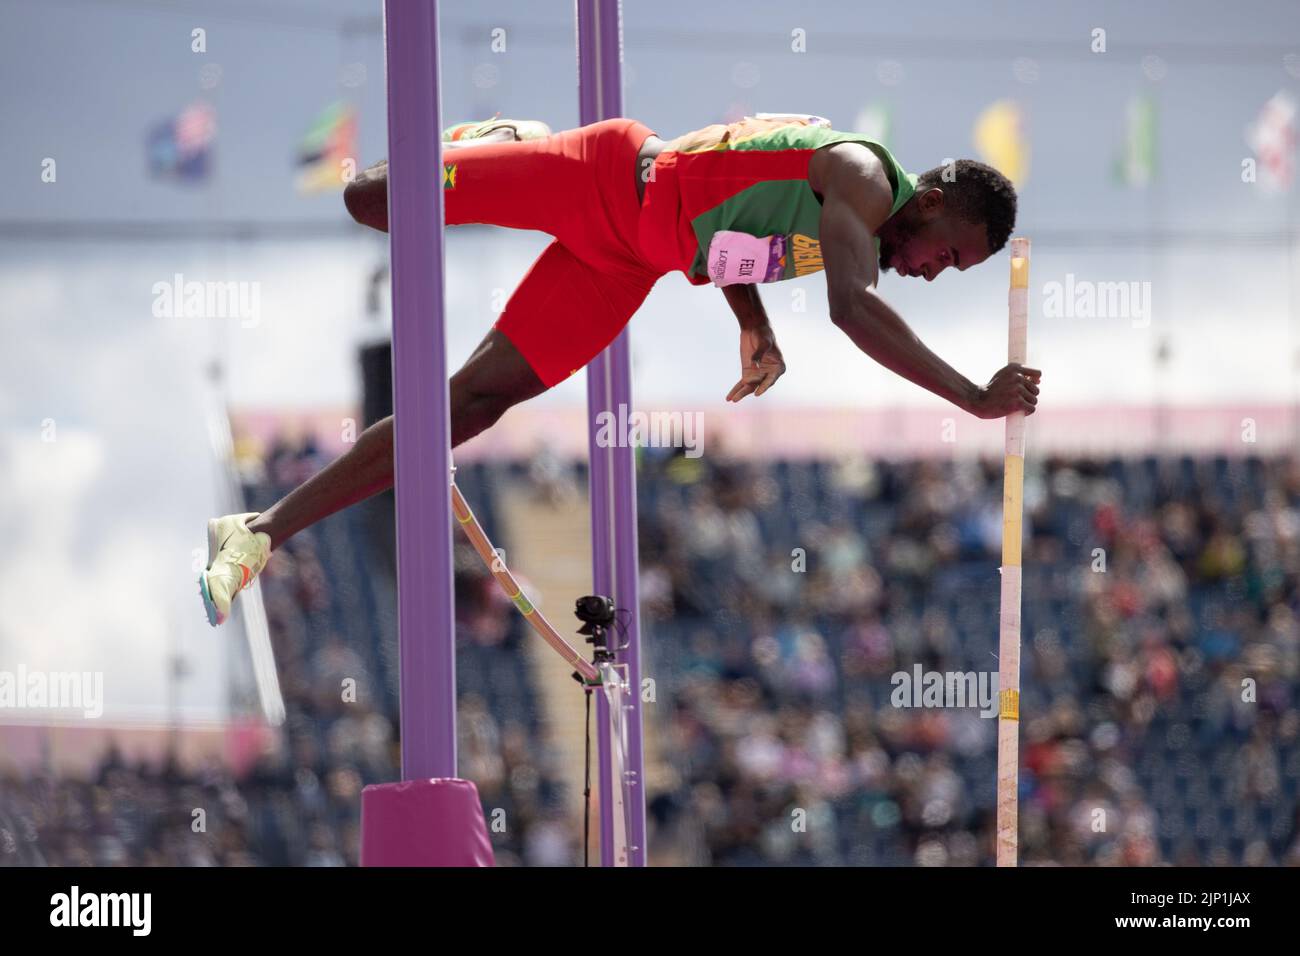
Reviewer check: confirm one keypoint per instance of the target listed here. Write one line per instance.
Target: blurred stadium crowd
(1161, 720)
(1159, 703)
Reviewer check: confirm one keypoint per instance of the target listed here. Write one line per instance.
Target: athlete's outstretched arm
(857, 199)
(761, 362)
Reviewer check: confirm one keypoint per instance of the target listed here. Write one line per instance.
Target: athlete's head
(960, 215)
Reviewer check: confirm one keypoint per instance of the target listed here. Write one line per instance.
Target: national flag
(875, 122)
(1272, 137)
(999, 137)
(331, 140)
(1136, 163)
(180, 148)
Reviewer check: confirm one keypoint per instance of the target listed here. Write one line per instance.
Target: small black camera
(594, 610)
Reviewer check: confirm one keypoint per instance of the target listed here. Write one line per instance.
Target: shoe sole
(214, 618)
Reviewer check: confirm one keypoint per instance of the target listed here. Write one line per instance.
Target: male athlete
(734, 205)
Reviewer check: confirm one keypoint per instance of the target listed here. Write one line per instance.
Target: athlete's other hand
(1013, 389)
(761, 363)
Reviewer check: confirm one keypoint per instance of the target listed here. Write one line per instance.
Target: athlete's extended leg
(495, 378)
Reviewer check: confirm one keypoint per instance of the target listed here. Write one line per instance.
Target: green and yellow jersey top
(731, 203)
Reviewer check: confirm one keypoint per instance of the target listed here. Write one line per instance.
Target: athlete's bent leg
(495, 378)
(577, 185)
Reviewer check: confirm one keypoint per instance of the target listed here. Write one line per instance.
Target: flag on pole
(330, 141)
(180, 148)
(1272, 137)
(999, 137)
(1136, 163)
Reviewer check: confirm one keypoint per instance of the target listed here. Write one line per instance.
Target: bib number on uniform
(737, 258)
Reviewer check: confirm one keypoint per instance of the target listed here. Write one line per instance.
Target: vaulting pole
(1008, 801)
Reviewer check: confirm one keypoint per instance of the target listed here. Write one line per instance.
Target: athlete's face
(930, 239)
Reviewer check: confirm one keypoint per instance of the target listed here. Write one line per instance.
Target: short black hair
(978, 194)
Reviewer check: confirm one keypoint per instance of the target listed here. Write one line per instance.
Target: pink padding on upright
(437, 822)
